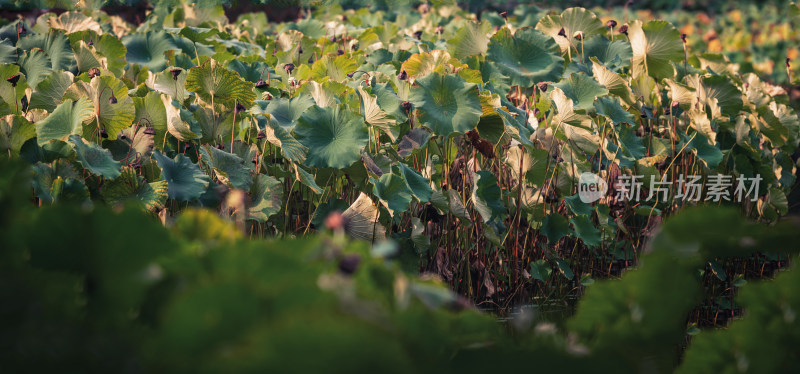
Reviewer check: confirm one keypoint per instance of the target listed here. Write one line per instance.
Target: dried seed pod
(562, 32)
(402, 76)
(611, 24)
(406, 105)
(288, 68)
(104, 134)
(311, 60)
(339, 52)
(261, 135)
(623, 29)
(542, 86)
(220, 147)
(439, 29)
(93, 72)
(683, 38)
(504, 15)
(149, 131)
(418, 34)
(112, 99)
(474, 138)
(240, 108)
(262, 84)
(175, 73)
(485, 148)
(300, 50)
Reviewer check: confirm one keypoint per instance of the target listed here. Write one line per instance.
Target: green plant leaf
(655, 45)
(446, 104)
(185, 179)
(113, 116)
(572, 20)
(417, 184)
(375, 116)
(67, 119)
(611, 108)
(541, 270)
(361, 220)
(50, 91)
(486, 196)
(393, 192)
(526, 57)
(470, 39)
(56, 47)
(129, 186)
(229, 168)
(582, 89)
(35, 65)
(266, 194)
(148, 49)
(219, 86)
(554, 227)
(564, 268)
(585, 230)
(334, 137)
(95, 159)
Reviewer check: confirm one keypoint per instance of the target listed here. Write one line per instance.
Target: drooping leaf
(611, 108)
(486, 196)
(541, 270)
(95, 159)
(393, 192)
(266, 194)
(375, 116)
(585, 230)
(417, 184)
(655, 45)
(35, 65)
(228, 168)
(113, 116)
(67, 119)
(361, 220)
(582, 89)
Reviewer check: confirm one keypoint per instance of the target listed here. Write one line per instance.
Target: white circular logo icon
(591, 187)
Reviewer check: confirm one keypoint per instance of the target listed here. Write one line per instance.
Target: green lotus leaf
(572, 20)
(290, 147)
(779, 124)
(585, 230)
(253, 71)
(470, 39)
(67, 119)
(611, 108)
(134, 142)
(176, 126)
(446, 104)
(113, 52)
(185, 179)
(334, 68)
(266, 194)
(10, 95)
(417, 184)
(424, 63)
(554, 227)
(582, 89)
(35, 65)
(131, 187)
(393, 192)
(56, 47)
(50, 91)
(148, 49)
(387, 99)
(307, 179)
(166, 82)
(229, 168)
(486, 196)
(86, 57)
(287, 111)
(564, 268)
(361, 220)
(526, 57)
(421, 241)
(614, 55)
(14, 132)
(717, 91)
(113, 116)
(655, 45)
(541, 270)
(334, 136)
(415, 139)
(151, 111)
(375, 116)
(219, 86)
(95, 159)
(8, 53)
(612, 81)
(195, 34)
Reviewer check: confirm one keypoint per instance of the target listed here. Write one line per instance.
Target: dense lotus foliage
(182, 166)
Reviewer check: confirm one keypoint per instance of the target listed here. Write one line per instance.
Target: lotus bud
(300, 50)
(350, 75)
(562, 32)
(13, 80)
(334, 220)
(104, 134)
(262, 84)
(93, 72)
(611, 24)
(175, 73)
(311, 60)
(289, 68)
(112, 99)
(623, 29)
